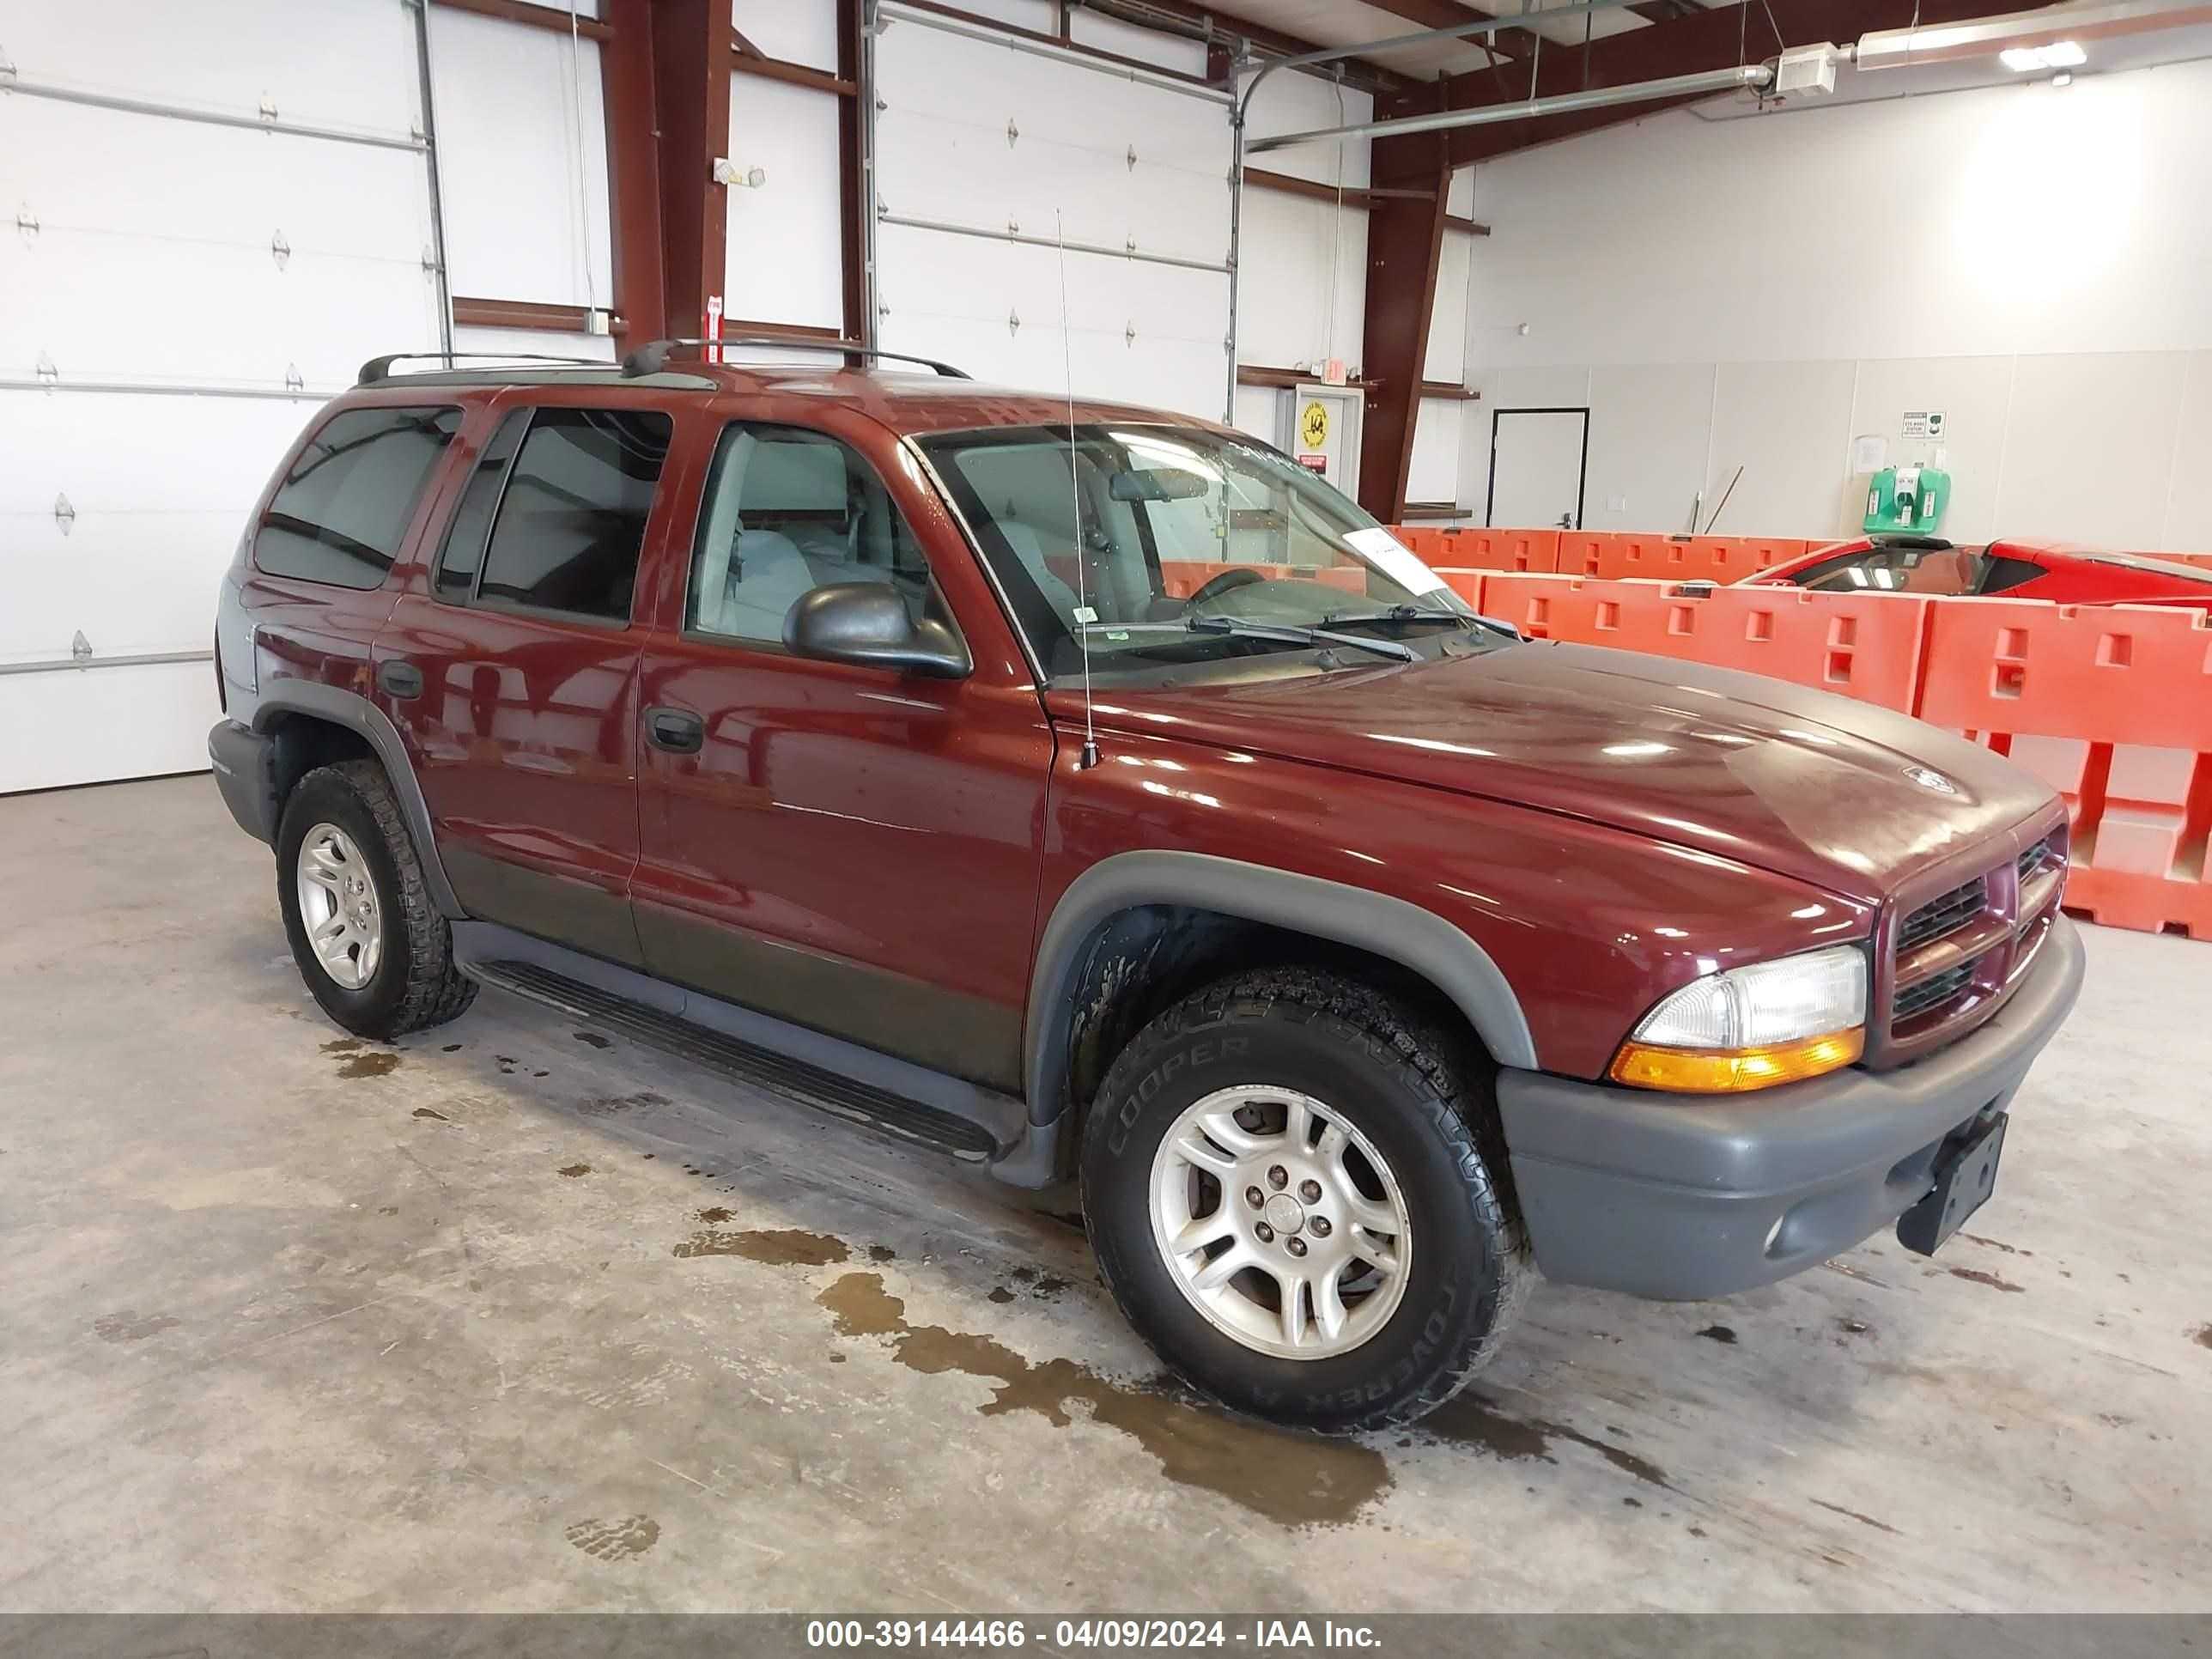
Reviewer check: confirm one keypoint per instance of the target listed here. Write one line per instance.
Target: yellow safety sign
(1313, 424)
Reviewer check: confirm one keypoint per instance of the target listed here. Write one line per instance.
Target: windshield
(1170, 545)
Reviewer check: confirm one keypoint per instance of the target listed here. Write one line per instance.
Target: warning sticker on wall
(1314, 464)
(1924, 423)
(1313, 424)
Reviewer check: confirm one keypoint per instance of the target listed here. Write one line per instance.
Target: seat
(764, 576)
(1028, 549)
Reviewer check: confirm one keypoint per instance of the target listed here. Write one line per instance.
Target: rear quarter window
(343, 506)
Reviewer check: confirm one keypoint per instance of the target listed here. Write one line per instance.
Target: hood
(1849, 797)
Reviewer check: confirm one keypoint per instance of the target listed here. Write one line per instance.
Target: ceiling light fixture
(2058, 55)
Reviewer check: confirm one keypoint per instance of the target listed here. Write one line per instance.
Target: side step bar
(860, 1085)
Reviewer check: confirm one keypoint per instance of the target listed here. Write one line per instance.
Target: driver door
(845, 848)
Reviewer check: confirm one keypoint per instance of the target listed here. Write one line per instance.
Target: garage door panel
(930, 71)
(131, 581)
(120, 453)
(82, 300)
(337, 63)
(87, 726)
(92, 170)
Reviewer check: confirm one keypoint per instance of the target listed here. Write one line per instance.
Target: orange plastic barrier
(1490, 549)
(1181, 578)
(1637, 556)
(1468, 584)
(1859, 645)
(2111, 706)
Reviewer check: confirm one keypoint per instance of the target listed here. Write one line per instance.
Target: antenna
(1084, 614)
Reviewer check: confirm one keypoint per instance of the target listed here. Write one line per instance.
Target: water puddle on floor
(1296, 1479)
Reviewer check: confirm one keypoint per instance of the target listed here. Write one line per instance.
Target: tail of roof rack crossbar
(651, 359)
(379, 368)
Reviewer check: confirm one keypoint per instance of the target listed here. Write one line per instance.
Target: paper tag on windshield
(1395, 560)
(1085, 615)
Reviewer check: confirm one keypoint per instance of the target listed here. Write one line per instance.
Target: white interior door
(991, 153)
(1536, 468)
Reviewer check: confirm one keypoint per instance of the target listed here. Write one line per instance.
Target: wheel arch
(1107, 926)
(314, 724)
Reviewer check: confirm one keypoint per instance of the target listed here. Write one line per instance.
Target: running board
(982, 1127)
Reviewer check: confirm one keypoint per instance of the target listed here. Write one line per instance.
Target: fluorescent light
(2059, 54)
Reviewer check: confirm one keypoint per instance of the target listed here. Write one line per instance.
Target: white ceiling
(1351, 22)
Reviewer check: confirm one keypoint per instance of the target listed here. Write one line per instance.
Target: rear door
(510, 664)
(845, 847)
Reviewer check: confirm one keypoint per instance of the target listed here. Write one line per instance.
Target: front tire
(374, 950)
(1287, 1193)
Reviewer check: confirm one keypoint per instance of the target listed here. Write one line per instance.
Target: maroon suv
(1096, 794)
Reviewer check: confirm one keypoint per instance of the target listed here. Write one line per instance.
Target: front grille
(1931, 993)
(1945, 914)
(2033, 860)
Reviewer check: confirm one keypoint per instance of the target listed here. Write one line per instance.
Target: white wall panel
(1168, 52)
(535, 343)
(797, 31)
(1974, 394)
(1650, 425)
(1288, 101)
(1302, 298)
(786, 238)
(2189, 501)
(1432, 474)
(1788, 427)
(1260, 412)
(2089, 447)
(2024, 258)
(523, 161)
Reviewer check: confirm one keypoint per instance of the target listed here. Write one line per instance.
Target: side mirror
(868, 622)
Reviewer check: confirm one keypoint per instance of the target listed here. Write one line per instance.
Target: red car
(2019, 570)
(844, 731)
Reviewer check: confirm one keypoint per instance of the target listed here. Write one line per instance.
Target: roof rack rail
(653, 358)
(379, 368)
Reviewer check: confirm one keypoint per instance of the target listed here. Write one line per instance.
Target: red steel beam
(852, 173)
(634, 172)
(691, 60)
(1405, 246)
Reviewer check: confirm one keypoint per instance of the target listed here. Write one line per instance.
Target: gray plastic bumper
(244, 771)
(1683, 1197)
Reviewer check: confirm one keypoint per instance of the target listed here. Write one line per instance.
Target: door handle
(678, 730)
(399, 679)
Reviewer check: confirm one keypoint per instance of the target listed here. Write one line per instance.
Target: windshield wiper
(1419, 613)
(1299, 634)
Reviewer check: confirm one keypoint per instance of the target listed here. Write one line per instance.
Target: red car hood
(1849, 797)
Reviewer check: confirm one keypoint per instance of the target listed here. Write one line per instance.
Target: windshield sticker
(1395, 560)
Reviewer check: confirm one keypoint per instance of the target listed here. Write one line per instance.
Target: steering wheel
(1227, 582)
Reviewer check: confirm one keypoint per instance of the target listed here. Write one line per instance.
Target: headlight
(1753, 1027)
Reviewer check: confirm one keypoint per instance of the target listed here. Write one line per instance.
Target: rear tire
(347, 873)
(1354, 1258)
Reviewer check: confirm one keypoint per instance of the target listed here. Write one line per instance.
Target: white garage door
(987, 153)
(222, 209)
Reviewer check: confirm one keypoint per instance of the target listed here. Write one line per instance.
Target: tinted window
(342, 508)
(573, 515)
(1943, 572)
(465, 537)
(788, 511)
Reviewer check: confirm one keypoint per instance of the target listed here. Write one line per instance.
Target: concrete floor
(518, 1316)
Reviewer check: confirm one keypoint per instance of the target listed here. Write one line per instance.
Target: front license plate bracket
(1964, 1180)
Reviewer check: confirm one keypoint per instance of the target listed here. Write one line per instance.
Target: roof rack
(651, 359)
(379, 368)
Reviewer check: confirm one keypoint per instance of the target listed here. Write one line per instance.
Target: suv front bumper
(1688, 1196)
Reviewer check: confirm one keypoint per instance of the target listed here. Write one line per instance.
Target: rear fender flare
(357, 714)
(1416, 939)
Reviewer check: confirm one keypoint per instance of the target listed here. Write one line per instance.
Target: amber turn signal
(1734, 1070)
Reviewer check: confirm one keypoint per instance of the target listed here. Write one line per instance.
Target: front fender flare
(1416, 939)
